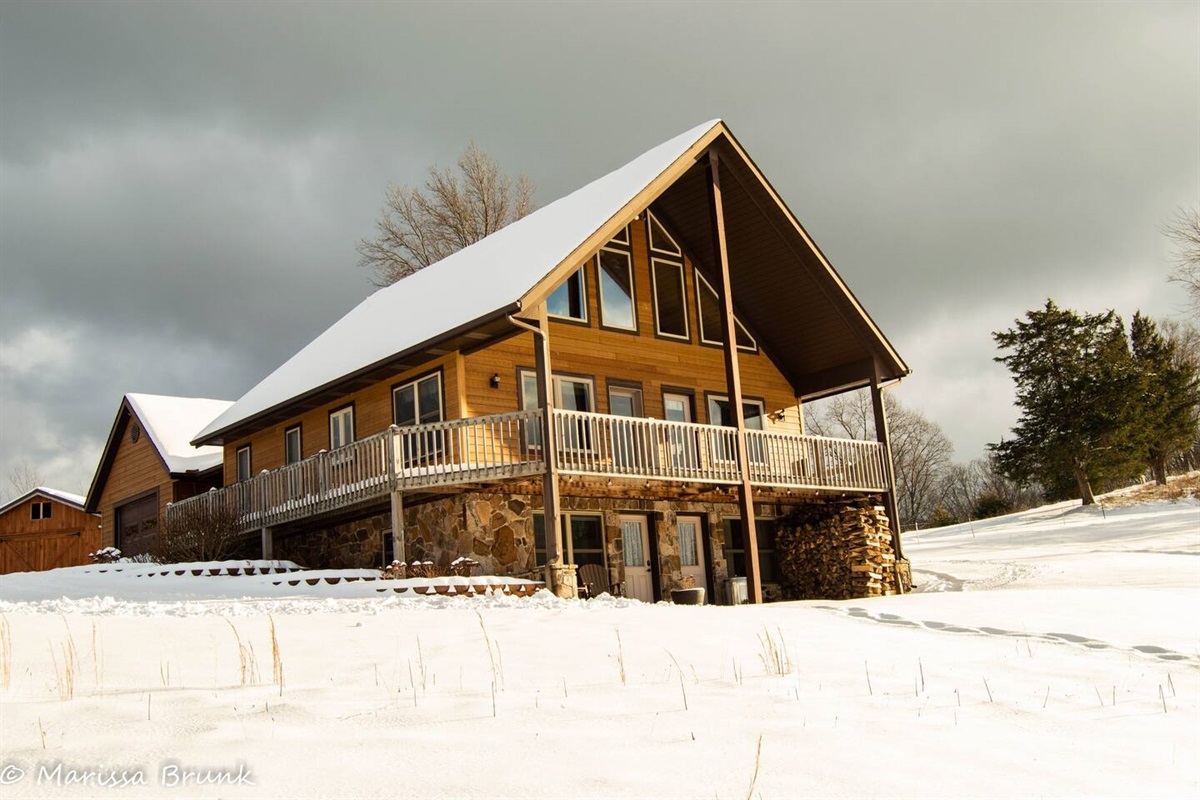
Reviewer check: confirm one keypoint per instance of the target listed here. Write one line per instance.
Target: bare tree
(455, 208)
(846, 415)
(1184, 231)
(23, 476)
(920, 448)
(200, 532)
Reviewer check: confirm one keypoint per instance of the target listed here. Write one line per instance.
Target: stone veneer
(826, 550)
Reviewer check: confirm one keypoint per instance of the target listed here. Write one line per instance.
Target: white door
(638, 584)
(691, 548)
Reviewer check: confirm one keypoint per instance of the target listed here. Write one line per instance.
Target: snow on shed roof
(479, 280)
(55, 494)
(171, 422)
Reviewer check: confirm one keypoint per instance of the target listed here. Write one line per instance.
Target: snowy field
(1054, 653)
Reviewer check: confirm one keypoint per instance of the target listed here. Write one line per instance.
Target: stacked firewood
(835, 551)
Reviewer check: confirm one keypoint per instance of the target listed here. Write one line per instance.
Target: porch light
(494, 381)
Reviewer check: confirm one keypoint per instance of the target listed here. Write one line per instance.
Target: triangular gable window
(660, 240)
(710, 317)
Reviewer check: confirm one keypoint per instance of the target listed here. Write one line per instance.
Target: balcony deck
(505, 447)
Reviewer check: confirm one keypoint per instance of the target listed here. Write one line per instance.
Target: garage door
(137, 526)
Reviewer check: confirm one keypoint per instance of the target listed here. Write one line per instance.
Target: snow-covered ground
(1051, 653)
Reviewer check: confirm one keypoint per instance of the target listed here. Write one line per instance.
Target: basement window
(735, 555)
(583, 539)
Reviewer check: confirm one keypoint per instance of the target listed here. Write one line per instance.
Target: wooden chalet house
(614, 379)
(149, 463)
(45, 529)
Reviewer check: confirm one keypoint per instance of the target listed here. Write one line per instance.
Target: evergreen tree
(1169, 396)
(1077, 389)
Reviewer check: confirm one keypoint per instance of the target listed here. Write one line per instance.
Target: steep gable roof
(72, 500)
(519, 265)
(169, 423)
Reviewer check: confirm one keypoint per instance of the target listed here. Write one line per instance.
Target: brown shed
(45, 529)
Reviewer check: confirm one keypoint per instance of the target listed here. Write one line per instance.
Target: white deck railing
(504, 446)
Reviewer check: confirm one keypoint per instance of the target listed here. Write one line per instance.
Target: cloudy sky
(182, 186)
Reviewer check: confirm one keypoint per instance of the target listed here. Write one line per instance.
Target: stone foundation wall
(351, 545)
(826, 550)
(494, 529)
(836, 550)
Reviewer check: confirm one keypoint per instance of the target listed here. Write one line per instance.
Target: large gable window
(710, 317)
(670, 299)
(660, 240)
(569, 301)
(617, 307)
(341, 427)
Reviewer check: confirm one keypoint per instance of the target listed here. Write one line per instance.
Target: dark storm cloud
(184, 184)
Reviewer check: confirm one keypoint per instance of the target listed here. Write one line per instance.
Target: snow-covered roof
(172, 422)
(490, 275)
(73, 500)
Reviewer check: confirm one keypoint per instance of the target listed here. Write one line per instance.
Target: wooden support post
(560, 577)
(882, 436)
(398, 553)
(734, 381)
(268, 544)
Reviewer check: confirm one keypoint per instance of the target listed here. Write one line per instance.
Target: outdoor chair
(593, 581)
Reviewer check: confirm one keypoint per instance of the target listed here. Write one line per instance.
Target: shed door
(137, 526)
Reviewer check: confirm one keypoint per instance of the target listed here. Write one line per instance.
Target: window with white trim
(670, 298)
(341, 427)
(243, 463)
(720, 413)
(617, 306)
(570, 394)
(569, 301)
(292, 450)
(660, 240)
(710, 317)
(419, 402)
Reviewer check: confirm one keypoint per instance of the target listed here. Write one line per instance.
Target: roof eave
(218, 436)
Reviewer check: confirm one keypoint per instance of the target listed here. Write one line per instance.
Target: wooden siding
(609, 355)
(372, 414)
(604, 354)
(64, 540)
(136, 470)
